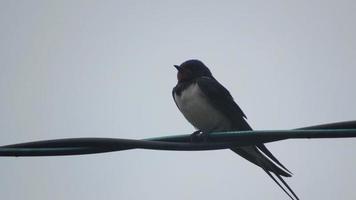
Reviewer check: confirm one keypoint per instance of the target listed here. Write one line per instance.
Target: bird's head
(192, 69)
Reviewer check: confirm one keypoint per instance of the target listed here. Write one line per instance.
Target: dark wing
(222, 100)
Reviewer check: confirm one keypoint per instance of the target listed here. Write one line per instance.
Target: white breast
(196, 109)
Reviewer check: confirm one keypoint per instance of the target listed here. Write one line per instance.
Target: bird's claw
(198, 136)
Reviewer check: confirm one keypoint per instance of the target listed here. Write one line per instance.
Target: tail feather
(254, 155)
(293, 196)
(285, 184)
(264, 149)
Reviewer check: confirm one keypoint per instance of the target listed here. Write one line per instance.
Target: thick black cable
(77, 146)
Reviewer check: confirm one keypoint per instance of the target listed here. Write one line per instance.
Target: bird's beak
(177, 67)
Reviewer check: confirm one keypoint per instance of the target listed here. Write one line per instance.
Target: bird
(209, 107)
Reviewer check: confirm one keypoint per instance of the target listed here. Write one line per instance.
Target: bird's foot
(199, 136)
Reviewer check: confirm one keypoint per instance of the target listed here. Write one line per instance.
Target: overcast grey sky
(104, 69)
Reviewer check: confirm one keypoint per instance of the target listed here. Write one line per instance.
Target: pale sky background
(105, 69)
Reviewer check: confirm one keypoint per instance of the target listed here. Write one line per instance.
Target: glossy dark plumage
(209, 106)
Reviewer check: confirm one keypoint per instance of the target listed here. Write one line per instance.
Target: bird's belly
(199, 112)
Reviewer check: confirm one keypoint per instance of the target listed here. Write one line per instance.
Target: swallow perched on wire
(209, 107)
